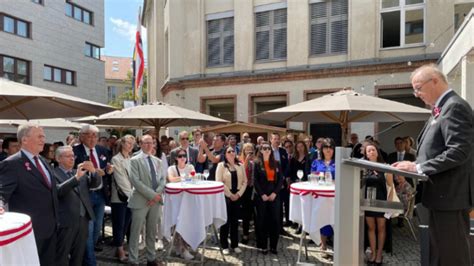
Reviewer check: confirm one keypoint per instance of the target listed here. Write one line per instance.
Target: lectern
(351, 204)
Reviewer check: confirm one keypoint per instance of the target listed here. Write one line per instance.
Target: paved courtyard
(405, 252)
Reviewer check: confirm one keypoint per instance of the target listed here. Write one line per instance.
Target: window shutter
(213, 53)
(229, 49)
(279, 33)
(329, 27)
(263, 45)
(318, 38)
(339, 36)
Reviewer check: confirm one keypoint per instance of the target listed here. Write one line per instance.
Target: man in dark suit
(75, 209)
(444, 155)
(399, 154)
(28, 186)
(282, 157)
(88, 150)
(191, 152)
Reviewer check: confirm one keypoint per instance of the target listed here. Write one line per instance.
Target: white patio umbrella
(157, 115)
(347, 106)
(53, 123)
(20, 101)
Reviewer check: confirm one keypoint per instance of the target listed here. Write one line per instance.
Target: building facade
(235, 59)
(54, 45)
(117, 77)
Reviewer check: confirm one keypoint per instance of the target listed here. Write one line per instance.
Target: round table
(312, 206)
(192, 207)
(17, 241)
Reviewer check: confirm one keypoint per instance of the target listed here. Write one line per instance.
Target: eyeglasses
(230, 151)
(184, 138)
(288, 147)
(417, 90)
(147, 143)
(181, 156)
(266, 148)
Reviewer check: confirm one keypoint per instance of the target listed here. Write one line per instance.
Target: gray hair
(88, 128)
(60, 150)
(24, 130)
(428, 71)
(123, 140)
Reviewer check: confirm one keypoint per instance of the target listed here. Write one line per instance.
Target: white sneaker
(237, 250)
(159, 245)
(226, 251)
(186, 255)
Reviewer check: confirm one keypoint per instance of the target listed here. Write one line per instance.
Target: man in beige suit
(147, 176)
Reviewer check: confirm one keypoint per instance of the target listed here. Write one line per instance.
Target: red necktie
(40, 169)
(93, 160)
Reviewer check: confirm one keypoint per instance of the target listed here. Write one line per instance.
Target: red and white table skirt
(193, 207)
(312, 206)
(17, 241)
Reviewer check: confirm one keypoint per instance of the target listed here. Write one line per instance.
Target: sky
(121, 18)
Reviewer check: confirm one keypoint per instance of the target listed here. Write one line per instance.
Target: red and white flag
(138, 61)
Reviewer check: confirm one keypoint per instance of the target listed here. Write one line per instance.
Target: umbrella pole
(344, 134)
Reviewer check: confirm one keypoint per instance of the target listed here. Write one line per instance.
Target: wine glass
(300, 174)
(182, 175)
(205, 173)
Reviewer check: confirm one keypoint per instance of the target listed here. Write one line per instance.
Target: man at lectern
(444, 155)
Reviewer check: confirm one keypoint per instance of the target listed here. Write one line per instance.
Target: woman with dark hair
(268, 180)
(174, 175)
(376, 220)
(298, 162)
(232, 173)
(121, 191)
(159, 152)
(326, 163)
(247, 158)
(48, 154)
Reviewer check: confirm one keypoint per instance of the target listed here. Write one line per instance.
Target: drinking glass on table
(205, 173)
(300, 174)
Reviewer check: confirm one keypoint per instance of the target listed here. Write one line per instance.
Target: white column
(467, 78)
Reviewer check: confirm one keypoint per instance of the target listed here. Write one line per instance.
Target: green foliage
(128, 95)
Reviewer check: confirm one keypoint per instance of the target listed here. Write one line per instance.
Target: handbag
(122, 196)
(395, 198)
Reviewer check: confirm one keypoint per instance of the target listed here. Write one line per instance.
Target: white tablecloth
(17, 242)
(312, 206)
(193, 207)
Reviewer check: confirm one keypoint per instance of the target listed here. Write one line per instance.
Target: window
(270, 35)
(402, 23)
(15, 69)
(222, 107)
(79, 13)
(266, 103)
(59, 75)
(220, 42)
(14, 25)
(460, 12)
(328, 27)
(92, 50)
(111, 93)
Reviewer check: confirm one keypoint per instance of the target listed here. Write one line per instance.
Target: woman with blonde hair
(247, 158)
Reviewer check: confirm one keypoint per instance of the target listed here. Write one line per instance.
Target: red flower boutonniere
(27, 166)
(436, 111)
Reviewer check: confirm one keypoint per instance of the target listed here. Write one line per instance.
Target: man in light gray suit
(191, 152)
(444, 155)
(147, 176)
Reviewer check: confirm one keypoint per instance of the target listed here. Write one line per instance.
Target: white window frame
(402, 7)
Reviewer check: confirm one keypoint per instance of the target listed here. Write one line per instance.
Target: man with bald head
(444, 155)
(28, 186)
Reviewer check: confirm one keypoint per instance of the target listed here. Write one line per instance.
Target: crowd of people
(129, 173)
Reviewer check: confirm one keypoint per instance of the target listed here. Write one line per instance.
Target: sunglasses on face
(184, 138)
(230, 151)
(266, 148)
(181, 156)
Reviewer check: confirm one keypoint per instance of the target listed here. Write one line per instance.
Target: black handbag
(122, 196)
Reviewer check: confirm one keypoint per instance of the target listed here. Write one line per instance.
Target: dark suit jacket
(262, 185)
(284, 162)
(393, 157)
(444, 154)
(193, 154)
(80, 155)
(22, 187)
(71, 194)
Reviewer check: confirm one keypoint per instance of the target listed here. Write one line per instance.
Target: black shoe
(298, 232)
(245, 240)
(295, 226)
(264, 251)
(274, 251)
(98, 248)
(283, 232)
(288, 224)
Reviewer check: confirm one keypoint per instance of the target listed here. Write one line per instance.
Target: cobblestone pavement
(405, 252)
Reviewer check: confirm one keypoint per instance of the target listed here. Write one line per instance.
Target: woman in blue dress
(326, 163)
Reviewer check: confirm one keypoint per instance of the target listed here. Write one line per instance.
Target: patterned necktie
(41, 170)
(154, 182)
(93, 160)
